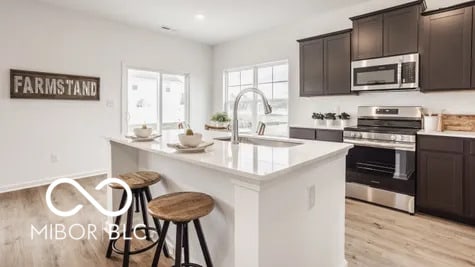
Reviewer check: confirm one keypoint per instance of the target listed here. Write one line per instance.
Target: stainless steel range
(381, 168)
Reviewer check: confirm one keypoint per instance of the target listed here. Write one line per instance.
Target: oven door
(388, 169)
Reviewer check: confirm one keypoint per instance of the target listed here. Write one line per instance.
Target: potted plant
(318, 119)
(221, 119)
(330, 119)
(344, 119)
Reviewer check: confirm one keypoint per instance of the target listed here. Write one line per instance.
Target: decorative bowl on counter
(143, 132)
(190, 140)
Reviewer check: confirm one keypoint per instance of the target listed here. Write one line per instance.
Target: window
(273, 80)
(156, 99)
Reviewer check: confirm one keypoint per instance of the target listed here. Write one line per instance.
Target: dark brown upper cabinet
(311, 68)
(388, 32)
(368, 37)
(401, 31)
(325, 64)
(337, 64)
(446, 50)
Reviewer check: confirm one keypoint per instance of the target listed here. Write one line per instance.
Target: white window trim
(124, 95)
(255, 81)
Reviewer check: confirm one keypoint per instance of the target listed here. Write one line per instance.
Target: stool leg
(203, 245)
(186, 244)
(148, 194)
(178, 245)
(137, 206)
(144, 214)
(117, 222)
(161, 243)
(128, 231)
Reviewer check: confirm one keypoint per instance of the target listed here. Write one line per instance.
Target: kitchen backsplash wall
(280, 43)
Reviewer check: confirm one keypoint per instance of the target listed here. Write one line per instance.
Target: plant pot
(220, 124)
(330, 123)
(344, 123)
(318, 123)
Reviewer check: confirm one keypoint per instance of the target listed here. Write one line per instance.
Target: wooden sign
(40, 85)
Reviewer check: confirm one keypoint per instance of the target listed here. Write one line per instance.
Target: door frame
(124, 95)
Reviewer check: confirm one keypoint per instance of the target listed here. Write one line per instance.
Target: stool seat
(138, 180)
(181, 206)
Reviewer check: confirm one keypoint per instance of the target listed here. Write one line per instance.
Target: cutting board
(458, 122)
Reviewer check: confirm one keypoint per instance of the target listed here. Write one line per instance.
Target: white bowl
(190, 140)
(143, 133)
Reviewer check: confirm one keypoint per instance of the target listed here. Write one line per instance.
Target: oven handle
(395, 146)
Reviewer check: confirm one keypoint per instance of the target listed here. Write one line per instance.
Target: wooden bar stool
(139, 183)
(182, 208)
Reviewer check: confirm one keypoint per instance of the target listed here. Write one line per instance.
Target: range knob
(359, 135)
(393, 138)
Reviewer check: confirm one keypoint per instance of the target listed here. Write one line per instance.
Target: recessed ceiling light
(199, 16)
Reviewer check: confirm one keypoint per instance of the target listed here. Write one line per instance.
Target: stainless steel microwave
(387, 73)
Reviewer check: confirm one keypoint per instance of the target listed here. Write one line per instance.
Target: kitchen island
(279, 202)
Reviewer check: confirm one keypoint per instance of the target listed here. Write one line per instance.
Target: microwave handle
(399, 73)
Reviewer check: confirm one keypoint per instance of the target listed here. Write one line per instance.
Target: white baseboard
(46, 181)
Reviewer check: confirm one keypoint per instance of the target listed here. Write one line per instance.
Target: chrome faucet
(267, 110)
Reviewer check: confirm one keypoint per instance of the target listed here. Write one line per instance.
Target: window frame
(124, 95)
(255, 84)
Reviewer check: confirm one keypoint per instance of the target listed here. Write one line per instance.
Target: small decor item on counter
(318, 119)
(344, 119)
(330, 119)
(185, 149)
(221, 119)
(143, 132)
(190, 139)
(458, 122)
(141, 139)
(431, 122)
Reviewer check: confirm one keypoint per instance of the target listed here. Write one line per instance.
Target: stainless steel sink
(261, 142)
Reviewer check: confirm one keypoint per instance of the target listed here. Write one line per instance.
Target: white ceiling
(224, 19)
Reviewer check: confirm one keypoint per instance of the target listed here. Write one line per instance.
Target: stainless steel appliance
(388, 73)
(381, 168)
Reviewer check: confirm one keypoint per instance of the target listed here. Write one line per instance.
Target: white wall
(280, 43)
(45, 38)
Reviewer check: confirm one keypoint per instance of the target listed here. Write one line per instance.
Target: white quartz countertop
(254, 162)
(449, 134)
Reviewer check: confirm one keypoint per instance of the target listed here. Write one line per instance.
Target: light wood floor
(374, 236)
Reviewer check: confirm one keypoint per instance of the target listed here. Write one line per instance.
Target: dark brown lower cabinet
(302, 133)
(470, 181)
(440, 182)
(316, 134)
(330, 135)
(446, 177)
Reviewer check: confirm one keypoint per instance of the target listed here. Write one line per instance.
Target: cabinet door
(311, 68)
(330, 135)
(337, 67)
(473, 50)
(440, 182)
(469, 184)
(302, 133)
(401, 30)
(368, 37)
(446, 50)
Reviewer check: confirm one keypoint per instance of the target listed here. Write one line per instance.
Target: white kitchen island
(275, 206)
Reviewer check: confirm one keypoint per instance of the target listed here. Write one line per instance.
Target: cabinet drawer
(330, 135)
(443, 144)
(302, 133)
